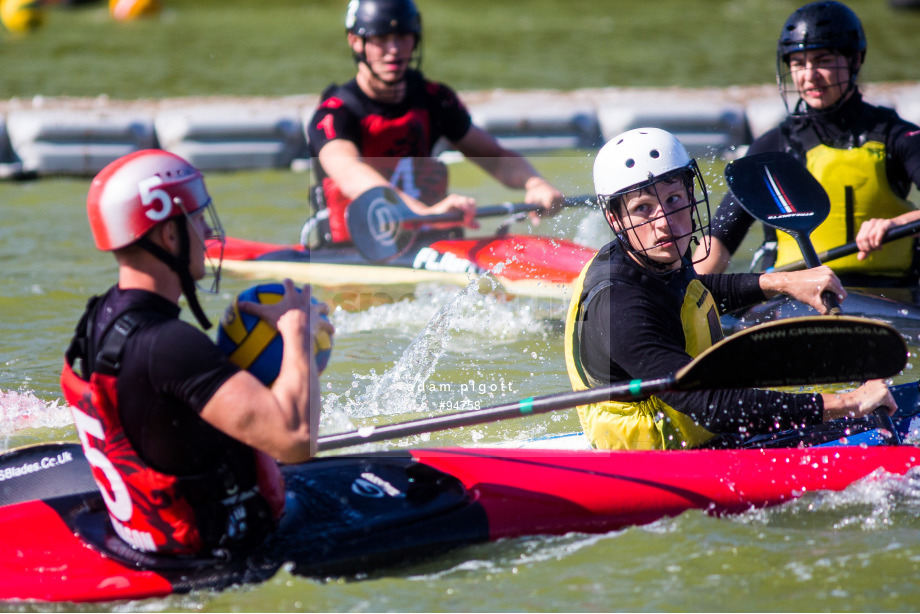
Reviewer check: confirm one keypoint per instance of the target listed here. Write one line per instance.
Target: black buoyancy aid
(150, 510)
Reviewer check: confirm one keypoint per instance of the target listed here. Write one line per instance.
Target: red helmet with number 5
(138, 191)
(142, 189)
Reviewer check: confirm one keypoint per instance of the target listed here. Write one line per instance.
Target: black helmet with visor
(825, 24)
(365, 18)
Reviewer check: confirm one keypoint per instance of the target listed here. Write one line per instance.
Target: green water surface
(854, 551)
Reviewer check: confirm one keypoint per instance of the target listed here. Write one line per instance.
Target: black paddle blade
(44, 471)
(799, 351)
(374, 222)
(778, 190)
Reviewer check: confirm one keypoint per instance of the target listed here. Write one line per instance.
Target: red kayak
(520, 264)
(370, 511)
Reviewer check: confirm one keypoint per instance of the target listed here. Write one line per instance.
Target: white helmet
(638, 159)
(635, 158)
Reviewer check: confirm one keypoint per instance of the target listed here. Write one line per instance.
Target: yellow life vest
(858, 188)
(648, 424)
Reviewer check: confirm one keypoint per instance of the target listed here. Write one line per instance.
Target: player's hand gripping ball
(254, 344)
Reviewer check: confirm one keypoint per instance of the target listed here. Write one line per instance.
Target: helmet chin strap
(361, 58)
(180, 266)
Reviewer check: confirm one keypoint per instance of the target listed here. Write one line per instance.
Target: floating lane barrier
(538, 121)
(75, 142)
(907, 104)
(708, 127)
(233, 137)
(47, 136)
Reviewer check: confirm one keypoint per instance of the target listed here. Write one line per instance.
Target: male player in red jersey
(380, 128)
(180, 439)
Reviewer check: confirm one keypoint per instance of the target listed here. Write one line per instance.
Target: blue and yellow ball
(22, 16)
(254, 344)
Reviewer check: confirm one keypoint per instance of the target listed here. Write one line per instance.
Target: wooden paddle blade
(374, 222)
(799, 351)
(778, 190)
(44, 471)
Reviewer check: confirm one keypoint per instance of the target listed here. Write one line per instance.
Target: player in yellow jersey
(865, 156)
(640, 311)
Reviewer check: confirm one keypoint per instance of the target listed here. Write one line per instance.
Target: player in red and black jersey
(179, 439)
(380, 128)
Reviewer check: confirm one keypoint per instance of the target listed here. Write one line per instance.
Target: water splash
(593, 230)
(878, 501)
(23, 411)
(457, 321)
(476, 310)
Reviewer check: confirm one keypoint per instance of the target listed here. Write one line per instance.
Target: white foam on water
(20, 411)
(471, 311)
(876, 502)
(448, 320)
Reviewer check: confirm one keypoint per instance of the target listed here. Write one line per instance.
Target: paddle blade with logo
(795, 351)
(779, 191)
(374, 222)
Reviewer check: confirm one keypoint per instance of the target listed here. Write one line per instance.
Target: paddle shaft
(840, 348)
(493, 210)
(885, 422)
(526, 407)
(851, 248)
(532, 407)
(811, 259)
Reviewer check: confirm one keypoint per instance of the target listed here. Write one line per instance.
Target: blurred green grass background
(290, 47)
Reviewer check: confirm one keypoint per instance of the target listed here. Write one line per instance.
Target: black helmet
(381, 17)
(823, 25)
(820, 25)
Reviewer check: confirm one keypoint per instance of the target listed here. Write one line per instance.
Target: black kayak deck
(343, 517)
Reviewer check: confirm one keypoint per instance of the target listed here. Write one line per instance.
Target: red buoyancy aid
(119, 472)
(148, 508)
(413, 170)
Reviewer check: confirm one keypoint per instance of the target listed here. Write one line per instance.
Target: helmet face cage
(210, 232)
(365, 18)
(627, 234)
(819, 25)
